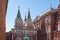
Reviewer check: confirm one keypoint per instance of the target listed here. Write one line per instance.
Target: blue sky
(36, 8)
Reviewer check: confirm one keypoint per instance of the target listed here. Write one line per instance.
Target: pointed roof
(18, 15)
(25, 16)
(59, 1)
(48, 11)
(29, 17)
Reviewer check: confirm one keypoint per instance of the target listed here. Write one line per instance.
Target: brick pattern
(2, 18)
(57, 35)
(49, 26)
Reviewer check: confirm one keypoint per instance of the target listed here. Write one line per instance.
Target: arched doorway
(26, 37)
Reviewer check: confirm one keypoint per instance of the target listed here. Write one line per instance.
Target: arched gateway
(26, 37)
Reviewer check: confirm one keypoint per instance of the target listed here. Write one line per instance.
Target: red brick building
(3, 8)
(57, 32)
(48, 24)
(8, 36)
(23, 30)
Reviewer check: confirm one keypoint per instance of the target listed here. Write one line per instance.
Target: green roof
(29, 17)
(18, 15)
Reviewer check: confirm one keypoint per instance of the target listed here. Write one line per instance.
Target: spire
(25, 16)
(29, 17)
(18, 15)
(59, 1)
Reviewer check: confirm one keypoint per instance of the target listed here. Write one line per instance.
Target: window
(47, 20)
(48, 29)
(58, 17)
(58, 27)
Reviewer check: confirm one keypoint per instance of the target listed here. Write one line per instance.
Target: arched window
(47, 20)
(48, 29)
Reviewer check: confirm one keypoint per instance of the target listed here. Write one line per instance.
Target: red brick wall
(56, 35)
(2, 18)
